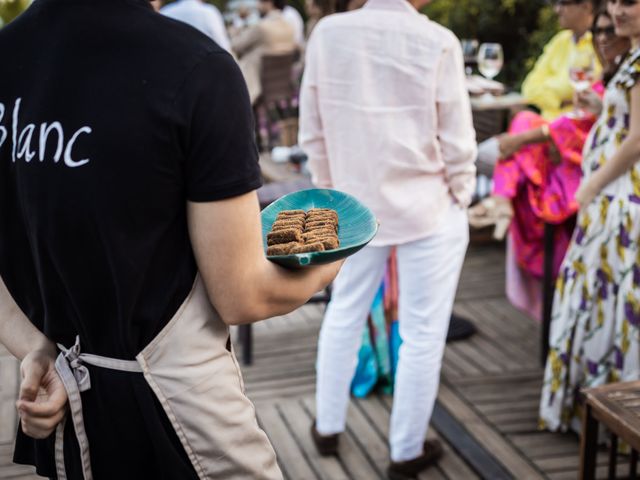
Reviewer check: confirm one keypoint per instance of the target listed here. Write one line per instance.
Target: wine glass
(490, 61)
(581, 72)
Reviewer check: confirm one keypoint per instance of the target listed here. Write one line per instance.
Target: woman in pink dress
(537, 176)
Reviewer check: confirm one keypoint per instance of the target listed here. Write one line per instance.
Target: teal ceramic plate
(357, 225)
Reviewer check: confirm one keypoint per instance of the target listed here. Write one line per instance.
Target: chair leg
(588, 445)
(246, 340)
(547, 290)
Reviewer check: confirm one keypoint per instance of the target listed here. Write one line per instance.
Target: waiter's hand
(43, 399)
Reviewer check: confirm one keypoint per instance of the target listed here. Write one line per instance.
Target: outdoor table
(491, 114)
(617, 407)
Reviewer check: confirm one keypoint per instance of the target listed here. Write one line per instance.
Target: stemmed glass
(581, 71)
(490, 61)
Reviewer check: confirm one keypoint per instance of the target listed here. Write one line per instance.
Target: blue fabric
(378, 355)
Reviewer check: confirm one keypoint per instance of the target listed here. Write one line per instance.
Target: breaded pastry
(291, 213)
(282, 248)
(284, 236)
(312, 247)
(280, 224)
(332, 216)
(321, 231)
(325, 223)
(323, 211)
(329, 243)
(307, 236)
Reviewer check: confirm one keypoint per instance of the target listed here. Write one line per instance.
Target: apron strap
(75, 378)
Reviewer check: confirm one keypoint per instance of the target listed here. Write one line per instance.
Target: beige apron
(199, 385)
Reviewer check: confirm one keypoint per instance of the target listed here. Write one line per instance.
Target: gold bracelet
(545, 130)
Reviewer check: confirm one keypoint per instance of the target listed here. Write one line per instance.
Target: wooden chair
(278, 90)
(617, 407)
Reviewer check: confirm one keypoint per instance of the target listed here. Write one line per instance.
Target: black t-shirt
(111, 118)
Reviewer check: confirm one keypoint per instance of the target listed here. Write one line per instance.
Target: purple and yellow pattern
(595, 329)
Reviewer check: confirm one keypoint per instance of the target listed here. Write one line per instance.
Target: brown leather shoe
(409, 469)
(327, 445)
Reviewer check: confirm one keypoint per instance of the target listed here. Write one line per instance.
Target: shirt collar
(393, 5)
(585, 38)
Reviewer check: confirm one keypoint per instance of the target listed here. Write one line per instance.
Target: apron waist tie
(75, 377)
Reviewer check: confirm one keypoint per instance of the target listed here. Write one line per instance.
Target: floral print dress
(595, 327)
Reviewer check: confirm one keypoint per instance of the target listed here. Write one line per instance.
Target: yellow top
(547, 85)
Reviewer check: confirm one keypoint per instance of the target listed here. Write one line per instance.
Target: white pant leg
(340, 336)
(428, 272)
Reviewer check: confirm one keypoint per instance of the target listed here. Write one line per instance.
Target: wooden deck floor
(490, 385)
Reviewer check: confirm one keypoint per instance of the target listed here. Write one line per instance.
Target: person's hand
(43, 398)
(589, 101)
(566, 103)
(586, 193)
(508, 144)
(554, 154)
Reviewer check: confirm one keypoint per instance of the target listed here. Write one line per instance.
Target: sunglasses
(608, 31)
(565, 3)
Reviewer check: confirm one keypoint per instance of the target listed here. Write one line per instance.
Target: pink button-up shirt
(385, 116)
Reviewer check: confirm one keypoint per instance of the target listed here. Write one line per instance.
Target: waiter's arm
(42, 399)
(17, 333)
(242, 284)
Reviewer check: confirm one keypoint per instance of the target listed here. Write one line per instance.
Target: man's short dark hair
(279, 4)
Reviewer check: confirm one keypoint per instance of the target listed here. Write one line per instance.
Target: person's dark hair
(342, 6)
(597, 4)
(608, 70)
(326, 7)
(279, 4)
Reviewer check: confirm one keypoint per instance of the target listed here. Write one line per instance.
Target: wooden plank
(476, 356)
(571, 462)
(601, 474)
(282, 393)
(488, 409)
(443, 466)
(506, 378)
(352, 458)
(453, 355)
(298, 422)
(369, 438)
(500, 448)
(506, 418)
(291, 457)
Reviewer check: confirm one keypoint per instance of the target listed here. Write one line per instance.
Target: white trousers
(428, 271)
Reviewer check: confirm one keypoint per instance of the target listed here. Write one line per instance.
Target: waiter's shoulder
(178, 38)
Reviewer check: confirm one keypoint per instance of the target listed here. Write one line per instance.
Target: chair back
(276, 73)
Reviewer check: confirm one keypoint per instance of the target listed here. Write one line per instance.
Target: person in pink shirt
(385, 116)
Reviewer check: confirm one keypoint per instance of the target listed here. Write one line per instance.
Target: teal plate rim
(304, 259)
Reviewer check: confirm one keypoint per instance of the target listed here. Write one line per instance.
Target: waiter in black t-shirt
(130, 236)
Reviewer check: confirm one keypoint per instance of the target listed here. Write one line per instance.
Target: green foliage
(521, 26)
(10, 9)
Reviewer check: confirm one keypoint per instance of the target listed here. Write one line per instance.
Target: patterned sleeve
(630, 71)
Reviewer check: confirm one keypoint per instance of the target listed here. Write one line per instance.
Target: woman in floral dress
(595, 328)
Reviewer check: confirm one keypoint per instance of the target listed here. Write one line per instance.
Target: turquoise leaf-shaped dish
(356, 227)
